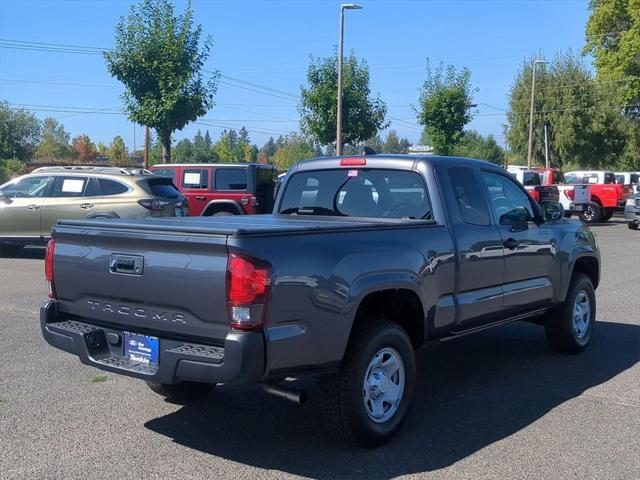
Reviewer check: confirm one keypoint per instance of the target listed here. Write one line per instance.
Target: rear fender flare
(110, 214)
(216, 204)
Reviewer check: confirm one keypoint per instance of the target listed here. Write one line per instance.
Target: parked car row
(31, 204)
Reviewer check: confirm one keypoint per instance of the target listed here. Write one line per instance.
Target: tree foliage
(613, 37)
(362, 114)
(445, 106)
(118, 153)
(54, 143)
(293, 148)
(585, 128)
(85, 149)
(19, 132)
(474, 145)
(159, 58)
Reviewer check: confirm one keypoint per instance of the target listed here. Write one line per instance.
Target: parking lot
(499, 404)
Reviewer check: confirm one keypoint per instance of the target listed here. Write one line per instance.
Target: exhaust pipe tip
(295, 396)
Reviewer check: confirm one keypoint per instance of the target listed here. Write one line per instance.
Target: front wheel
(591, 213)
(632, 226)
(570, 327)
(368, 400)
(181, 393)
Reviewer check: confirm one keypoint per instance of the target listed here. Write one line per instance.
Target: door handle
(33, 207)
(86, 206)
(511, 243)
(200, 197)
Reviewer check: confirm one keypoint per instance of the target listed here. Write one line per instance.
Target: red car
(223, 188)
(606, 195)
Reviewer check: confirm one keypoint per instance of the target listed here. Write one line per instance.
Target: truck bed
(241, 225)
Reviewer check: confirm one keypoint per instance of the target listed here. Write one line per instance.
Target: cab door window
(509, 203)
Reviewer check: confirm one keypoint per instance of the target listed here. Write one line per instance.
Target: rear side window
(470, 198)
(160, 187)
(231, 179)
(112, 187)
(69, 187)
(530, 179)
(609, 178)
(558, 177)
(166, 172)
(357, 193)
(195, 178)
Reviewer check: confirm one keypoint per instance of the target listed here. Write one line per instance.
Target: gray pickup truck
(364, 260)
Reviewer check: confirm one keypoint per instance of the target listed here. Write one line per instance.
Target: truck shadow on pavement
(27, 252)
(470, 393)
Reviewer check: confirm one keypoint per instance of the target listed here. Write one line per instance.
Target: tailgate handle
(126, 264)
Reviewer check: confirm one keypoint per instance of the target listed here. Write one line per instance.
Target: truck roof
(384, 161)
(198, 165)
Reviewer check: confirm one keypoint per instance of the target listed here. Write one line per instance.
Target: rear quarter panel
(319, 280)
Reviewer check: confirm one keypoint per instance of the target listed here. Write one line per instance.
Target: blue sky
(269, 42)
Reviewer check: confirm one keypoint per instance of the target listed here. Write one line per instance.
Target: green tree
(474, 145)
(54, 143)
(445, 106)
(11, 168)
(362, 114)
(103, 150)
(584, 127)
(225, 148)
(19, 132)
(85, 150)
(294, 148)
(613, 37)
(159, 58)
(201, 151)
(118, 153)
(183, 151)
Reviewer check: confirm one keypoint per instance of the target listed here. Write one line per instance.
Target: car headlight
(631, 201)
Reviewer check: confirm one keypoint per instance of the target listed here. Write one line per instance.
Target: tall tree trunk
(165, 140)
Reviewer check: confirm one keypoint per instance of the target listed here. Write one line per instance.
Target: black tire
(606, 216)
(344, 407)
(185, 392)
(567, 214)
(591, 213)
(632, 226)
(561, 330)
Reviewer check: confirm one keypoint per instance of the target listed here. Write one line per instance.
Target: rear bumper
(241, 360)
(632, 213)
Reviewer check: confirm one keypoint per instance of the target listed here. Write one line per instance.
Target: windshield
(357, 193)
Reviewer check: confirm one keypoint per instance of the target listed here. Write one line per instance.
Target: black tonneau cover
(242, 225)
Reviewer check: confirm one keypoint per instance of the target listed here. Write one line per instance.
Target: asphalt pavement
(499, 404)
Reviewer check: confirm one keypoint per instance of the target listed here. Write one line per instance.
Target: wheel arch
(221, 205)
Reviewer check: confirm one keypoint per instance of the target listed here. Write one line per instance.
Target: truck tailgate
(144, 281)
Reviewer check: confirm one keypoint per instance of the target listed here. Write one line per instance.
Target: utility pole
(146, 147)
(546, 147)
(343, 7)
(506, 161)
(533, 92)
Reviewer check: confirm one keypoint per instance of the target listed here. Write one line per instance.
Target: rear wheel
(570, 327)
(632, 225)
(591, 213)
(184, 392)
(368, 400)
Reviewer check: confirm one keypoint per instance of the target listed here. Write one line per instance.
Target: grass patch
(3, 401)
(99, 378)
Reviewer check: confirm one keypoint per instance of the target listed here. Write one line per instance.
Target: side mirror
(553, 211)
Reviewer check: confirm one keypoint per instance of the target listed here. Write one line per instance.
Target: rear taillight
(248, 282)
(570, 193)
(251, 201)
(48, 268)
(154, 205)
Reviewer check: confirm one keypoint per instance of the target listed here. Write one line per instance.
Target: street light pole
(533, 91)
(343, 7)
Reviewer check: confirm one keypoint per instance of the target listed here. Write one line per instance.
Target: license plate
(179, 212)
(141, 348)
